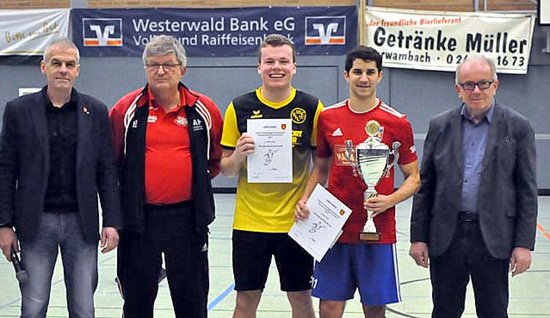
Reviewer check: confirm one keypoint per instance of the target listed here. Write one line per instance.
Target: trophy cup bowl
(372, 162)
(372, 159)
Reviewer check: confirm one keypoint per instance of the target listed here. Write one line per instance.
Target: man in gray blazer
(56, 156)
(475, 214)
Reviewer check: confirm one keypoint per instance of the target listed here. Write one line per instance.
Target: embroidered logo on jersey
(374, 130)
(256, 114)
(298, 115)
(152, 119)
(180, 121)
(197, 125)
(135, 123)
(340, 155)
(337, 132)
(412, 149)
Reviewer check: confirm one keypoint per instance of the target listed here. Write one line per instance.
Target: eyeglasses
(470, 86)
(168, 67)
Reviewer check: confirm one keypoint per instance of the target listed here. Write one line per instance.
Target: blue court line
(221, 297)
(10, 303)
(211, 306)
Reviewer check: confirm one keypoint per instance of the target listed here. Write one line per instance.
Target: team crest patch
(180, 121)
(374, 130)
(298, 115)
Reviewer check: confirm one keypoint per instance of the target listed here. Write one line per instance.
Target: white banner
(28, 32)
(432, 40)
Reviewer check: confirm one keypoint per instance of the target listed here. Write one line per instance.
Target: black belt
(467, 216)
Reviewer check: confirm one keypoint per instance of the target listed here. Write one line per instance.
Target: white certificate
(322, 229)
(271, 161)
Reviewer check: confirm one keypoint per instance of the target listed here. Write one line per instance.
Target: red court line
(543, 231)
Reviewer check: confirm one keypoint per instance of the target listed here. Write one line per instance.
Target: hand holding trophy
(371, 161)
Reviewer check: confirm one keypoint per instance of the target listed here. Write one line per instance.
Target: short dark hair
(366, 53)
(276, 40)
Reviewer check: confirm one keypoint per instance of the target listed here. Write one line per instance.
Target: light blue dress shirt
(474, 142)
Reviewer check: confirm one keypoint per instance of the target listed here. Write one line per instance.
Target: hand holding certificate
(271, 162)
(318, 233)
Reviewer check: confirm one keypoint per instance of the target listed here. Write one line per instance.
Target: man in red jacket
(167, 146)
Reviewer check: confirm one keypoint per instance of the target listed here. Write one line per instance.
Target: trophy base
(369, 236)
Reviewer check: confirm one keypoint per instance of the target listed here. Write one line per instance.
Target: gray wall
(419, 94)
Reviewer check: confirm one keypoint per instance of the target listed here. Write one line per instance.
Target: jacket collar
(190, 96)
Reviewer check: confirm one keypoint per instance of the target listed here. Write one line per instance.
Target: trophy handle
(347, 154)
(395, 152)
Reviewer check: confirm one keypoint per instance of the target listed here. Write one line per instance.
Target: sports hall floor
(530, 292)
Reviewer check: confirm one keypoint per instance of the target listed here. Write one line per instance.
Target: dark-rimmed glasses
(470, 86)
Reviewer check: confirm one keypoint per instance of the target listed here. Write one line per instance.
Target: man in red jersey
(167, 142)
(352, 264)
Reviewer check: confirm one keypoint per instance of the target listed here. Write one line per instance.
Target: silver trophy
(371, 161)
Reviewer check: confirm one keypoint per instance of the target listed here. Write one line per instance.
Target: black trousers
(169, 231)
(450, 273)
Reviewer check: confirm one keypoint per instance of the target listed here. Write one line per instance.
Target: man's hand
(419, 252)
(109, 239)
(520, 261)
(245, 146)
(8, 239)
(378, 204)
(301, 212)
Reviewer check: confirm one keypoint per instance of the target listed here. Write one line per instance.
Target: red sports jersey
(167, 154)
(339, 123)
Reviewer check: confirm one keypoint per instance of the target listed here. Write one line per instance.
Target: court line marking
(543, 230)
(221, 297)
(230, 288)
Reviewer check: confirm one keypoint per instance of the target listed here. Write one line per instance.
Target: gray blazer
(25, 165)
(507, 197)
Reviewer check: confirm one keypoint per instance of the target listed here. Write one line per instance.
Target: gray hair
(477, 57)
(60, 42)
(162, 45)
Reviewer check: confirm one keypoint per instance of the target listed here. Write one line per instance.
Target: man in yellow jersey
(264, 211)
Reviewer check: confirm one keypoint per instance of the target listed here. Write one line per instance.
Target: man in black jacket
(55, 157)
(475, 214)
